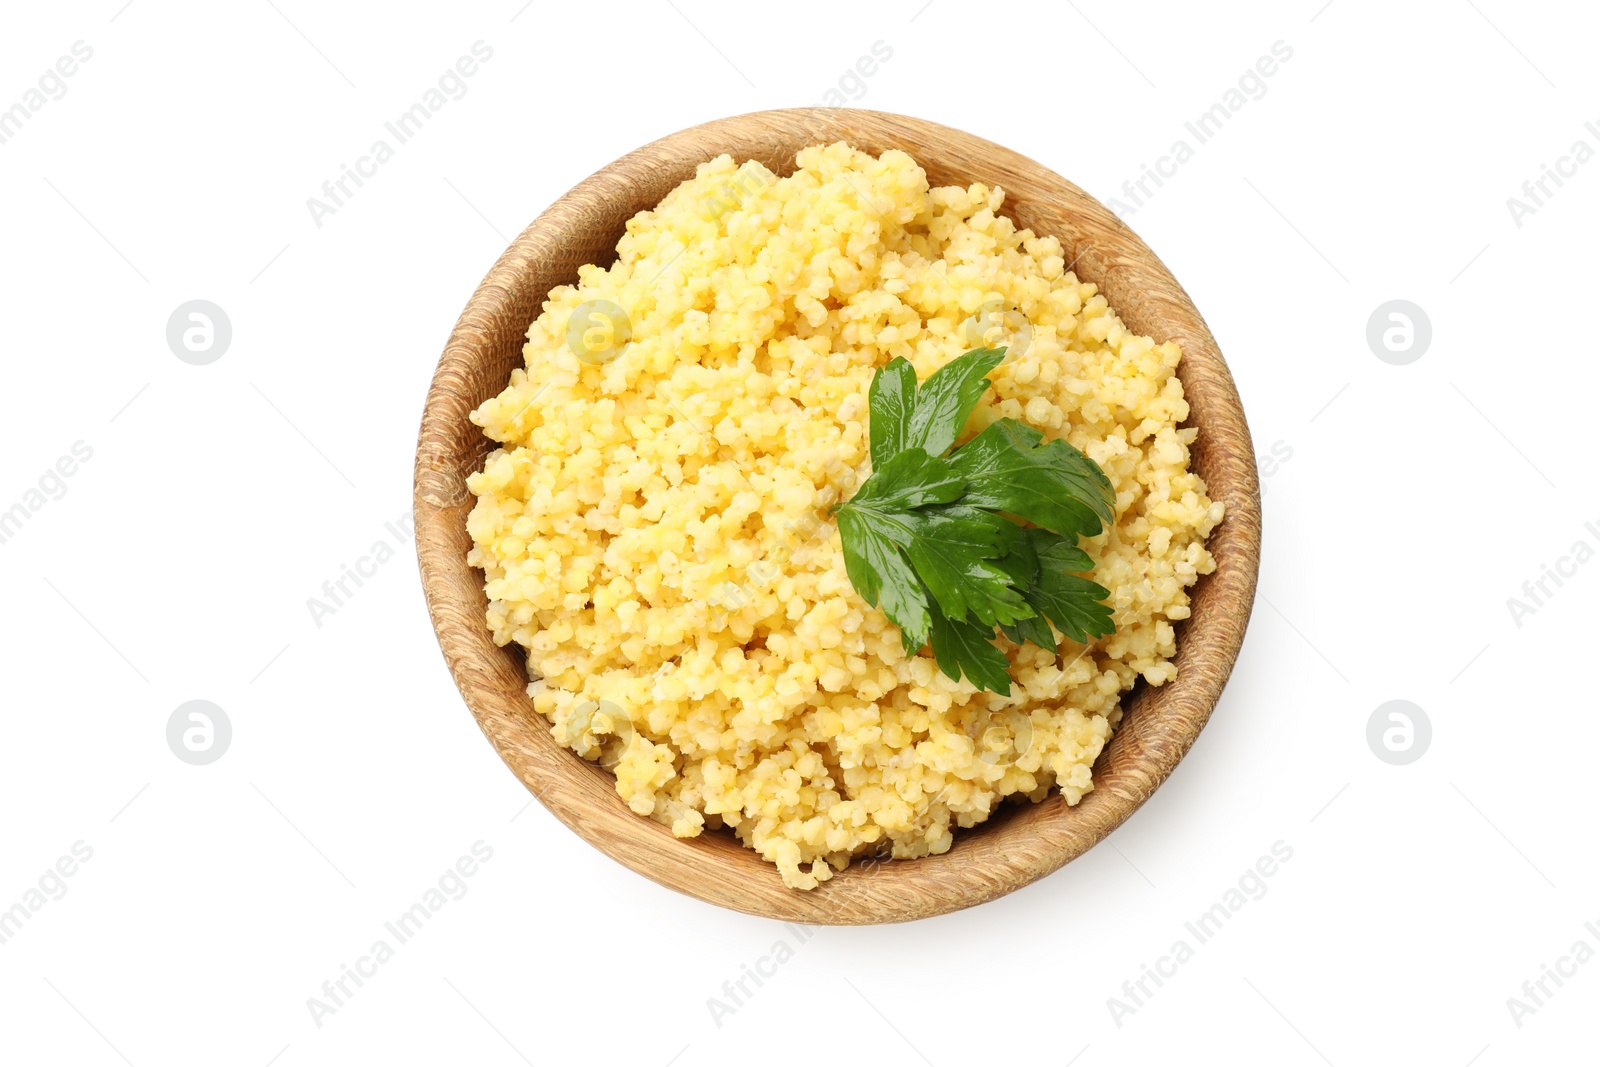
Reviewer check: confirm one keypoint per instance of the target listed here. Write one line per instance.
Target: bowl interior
(1021, 842)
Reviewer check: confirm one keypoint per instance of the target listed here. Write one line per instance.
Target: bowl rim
(1022, 843)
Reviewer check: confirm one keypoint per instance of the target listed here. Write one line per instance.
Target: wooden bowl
(1021, 842)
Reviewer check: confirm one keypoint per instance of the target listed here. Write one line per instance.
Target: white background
(177, 565)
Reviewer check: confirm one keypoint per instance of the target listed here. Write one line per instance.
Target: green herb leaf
(949, 547)
(965, 648)
(1069, 601)
(1054, 552)
(878, 569)
(1021, 561)
(1022, 565)
(889, 402)
(912, 479)
(932, 540)
(874, 533)
(1034, 629)
(947, 398)
(1051, 484)
(1073, 604)
(952, 548)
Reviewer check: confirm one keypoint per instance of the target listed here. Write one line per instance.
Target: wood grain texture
(1022, 842)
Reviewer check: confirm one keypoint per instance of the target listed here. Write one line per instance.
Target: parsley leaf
(1033, 628)
(875, 530)
(939, 543)
(1022, 565)
(1069, 601)
(878, 569)
(946, 399)
(889, 402)
(1021, 561)
(964, 648)
(910, 480)
(1051, 484)
(952, 548)
(1073, 604)
(1057, 553)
